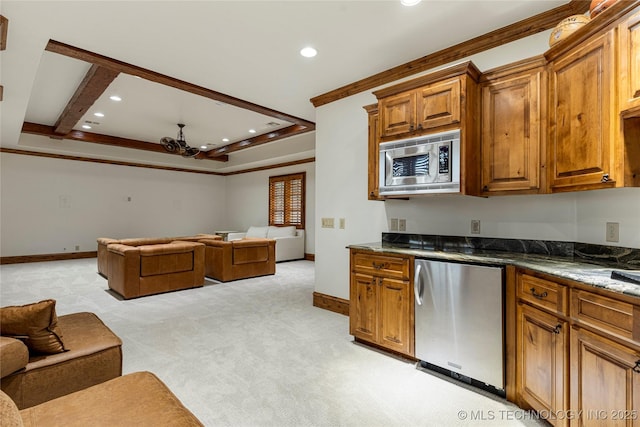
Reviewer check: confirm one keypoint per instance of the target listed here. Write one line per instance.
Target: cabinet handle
(380, 266)
(605, 178)
(410, 128)
(556, 330)
(636, 368)
(537, 295)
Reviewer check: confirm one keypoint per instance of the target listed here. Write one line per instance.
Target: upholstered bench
(136, 271)
(93, 355)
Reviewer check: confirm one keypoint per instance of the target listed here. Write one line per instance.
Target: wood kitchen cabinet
(577, 351)
(605, 359)
(541, 346)
(443, 100)
(381, 308)
(629, 57)
(373, 150)
(513, 127)
(428, 107)
(583, 117)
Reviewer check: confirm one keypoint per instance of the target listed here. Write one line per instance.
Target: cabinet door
(363, 307)
(511, 133)
(374, 156)
(605, 390)
(582, 117)
(397, 114)
(630, 63)
(438, 104)
(396, 315)
(542, 355)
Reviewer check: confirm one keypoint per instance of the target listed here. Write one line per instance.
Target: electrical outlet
(342, 223)
(77, 247)
(393, 224)
(402, 225)
(327, 222)
(475, 226)
(613, 232)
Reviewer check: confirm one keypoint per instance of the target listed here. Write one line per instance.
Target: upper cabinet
(442, 100)
(513, 127)
(593, 90)
(583, 117)
(422, 109)
(445, 100)
(629, 57)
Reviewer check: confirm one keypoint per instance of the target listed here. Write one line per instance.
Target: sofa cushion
(9, 413)
(36, 324)
(275, 232)
(254, 231)
(14, 355)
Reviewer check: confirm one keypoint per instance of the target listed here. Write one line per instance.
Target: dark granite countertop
(588, 264)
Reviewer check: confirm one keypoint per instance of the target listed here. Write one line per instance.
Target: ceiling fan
(179, 146)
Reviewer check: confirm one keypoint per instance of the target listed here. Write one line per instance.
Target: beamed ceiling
(223, 68)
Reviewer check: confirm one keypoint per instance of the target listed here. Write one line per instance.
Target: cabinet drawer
(381, 265)
(607, 314)
(542, 293)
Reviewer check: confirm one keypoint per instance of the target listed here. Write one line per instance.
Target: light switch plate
(402, 225)
(327, 222)
(475, 226)
(393, 224)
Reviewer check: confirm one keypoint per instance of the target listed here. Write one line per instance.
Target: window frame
(288, 179)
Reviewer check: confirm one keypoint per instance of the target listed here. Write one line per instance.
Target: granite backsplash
(607, 256)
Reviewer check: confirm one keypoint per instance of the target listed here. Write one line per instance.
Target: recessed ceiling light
(409, 2)
(252, 131)
(86, 127)
(115, 98)
(308, 52)
(225, 139)
(204, 147)
(98, 114)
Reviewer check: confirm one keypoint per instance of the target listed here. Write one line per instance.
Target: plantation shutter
(286, 200)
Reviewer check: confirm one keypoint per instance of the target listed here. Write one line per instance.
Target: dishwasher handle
(418, 286)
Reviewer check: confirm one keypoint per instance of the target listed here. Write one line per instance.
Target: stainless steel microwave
(420, 165)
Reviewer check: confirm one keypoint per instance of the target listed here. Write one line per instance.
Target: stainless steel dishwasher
(459, 321)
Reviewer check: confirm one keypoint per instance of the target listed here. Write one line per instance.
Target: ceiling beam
(97, 138)
(257, 140)
(123, 67)
(93, 85)
(526, 27)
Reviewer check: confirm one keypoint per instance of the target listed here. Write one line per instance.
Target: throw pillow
(36, 324)
(257, 232)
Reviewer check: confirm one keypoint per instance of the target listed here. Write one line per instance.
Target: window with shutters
(286, 200)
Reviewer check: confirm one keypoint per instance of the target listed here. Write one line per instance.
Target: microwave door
(411, 166)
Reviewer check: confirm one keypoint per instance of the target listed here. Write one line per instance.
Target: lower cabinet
(381, 308)
(577, 352)
(542, 352)
(605, 381)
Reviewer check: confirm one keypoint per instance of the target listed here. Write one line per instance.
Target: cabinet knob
(636, 368)
(537, 295)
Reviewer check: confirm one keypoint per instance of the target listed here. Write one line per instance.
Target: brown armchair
(239, 259)
(136, 271)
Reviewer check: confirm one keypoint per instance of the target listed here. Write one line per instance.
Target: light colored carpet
(256, 352)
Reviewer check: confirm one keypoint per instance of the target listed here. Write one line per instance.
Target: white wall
(341, 191)
(52, 205)
(248, 199)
